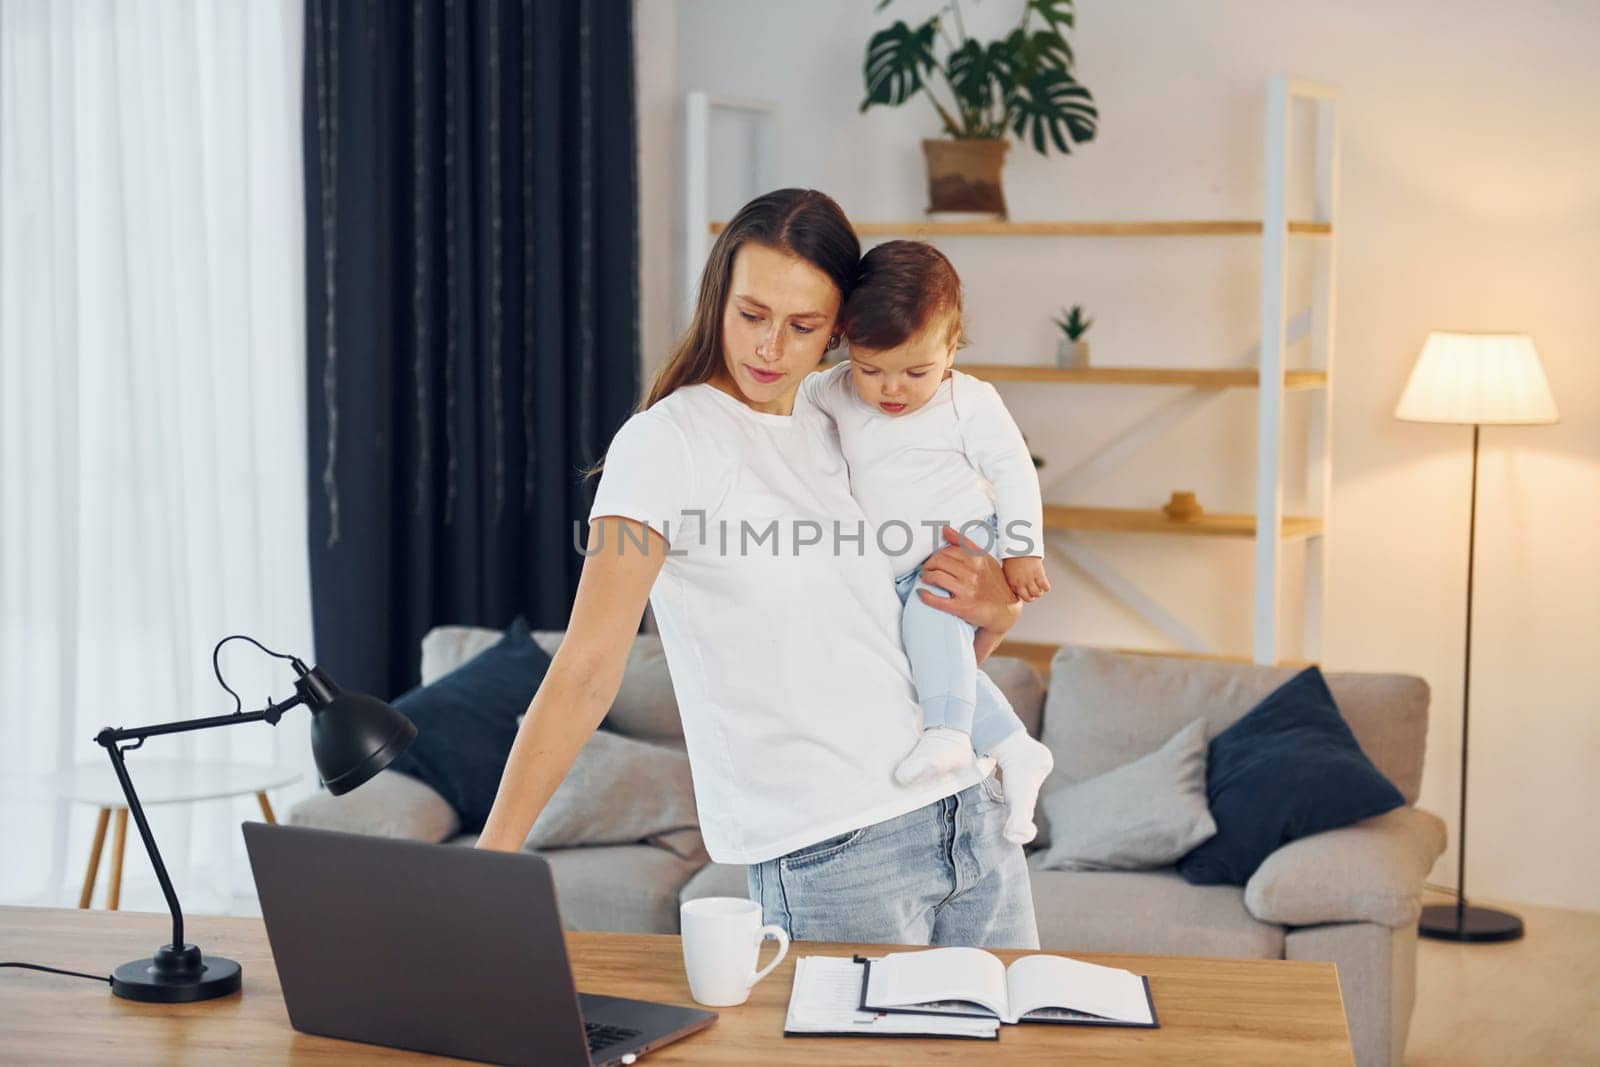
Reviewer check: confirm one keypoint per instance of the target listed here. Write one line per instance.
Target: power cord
(106, 978)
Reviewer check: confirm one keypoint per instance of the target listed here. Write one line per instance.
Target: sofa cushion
(630, 889)
(1146, 912)
(444, 648)
(467, 720)
(717, 880)
(389, 804)
(1107, 708)
(1289, 769)
(1140, 816)
(619, 790)
(1370, 872)
(645, 705)
(685, 844)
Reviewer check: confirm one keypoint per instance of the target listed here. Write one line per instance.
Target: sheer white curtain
(152, 417)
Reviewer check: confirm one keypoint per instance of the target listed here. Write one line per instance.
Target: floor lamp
(1476, 380)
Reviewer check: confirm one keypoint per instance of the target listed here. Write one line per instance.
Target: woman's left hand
(979, 592)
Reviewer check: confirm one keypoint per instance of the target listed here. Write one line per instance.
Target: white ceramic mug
(721, 939)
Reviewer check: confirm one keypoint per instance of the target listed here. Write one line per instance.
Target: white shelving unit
(702, 110)
(1281, 92)
(1269, 528)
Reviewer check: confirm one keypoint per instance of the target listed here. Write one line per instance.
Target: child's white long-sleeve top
(957, 459)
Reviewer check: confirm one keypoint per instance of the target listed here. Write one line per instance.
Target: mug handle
(775, 933)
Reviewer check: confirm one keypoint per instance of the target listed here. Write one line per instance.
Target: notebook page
(1059, 982)
(906, 979)
(825, 988)
(826, 998)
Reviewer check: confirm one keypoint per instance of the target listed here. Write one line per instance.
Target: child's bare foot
(940, 751)
(1024, 764)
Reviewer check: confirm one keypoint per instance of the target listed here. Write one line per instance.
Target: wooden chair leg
(266, 809)
(94, 858)
(114, 892)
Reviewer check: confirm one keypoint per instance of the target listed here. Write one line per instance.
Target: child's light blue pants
(953, 692)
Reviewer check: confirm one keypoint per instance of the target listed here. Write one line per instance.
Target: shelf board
(1206, 377)
(1149, 228)
(1152, 521)
(1040, 654)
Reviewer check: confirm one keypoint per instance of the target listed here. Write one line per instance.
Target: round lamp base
(1446, 922)
(176, 978)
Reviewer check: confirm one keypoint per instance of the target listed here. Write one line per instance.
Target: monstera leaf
(973, 73)
(1052, 103)
(1057, 14)
(1022, 82)
(897, 58)
(1037, 50)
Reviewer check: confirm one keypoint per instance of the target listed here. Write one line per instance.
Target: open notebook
(826, 1002)
(1035, 989)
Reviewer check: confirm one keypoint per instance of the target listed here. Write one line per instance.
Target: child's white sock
(1024, 764)
(940, 751)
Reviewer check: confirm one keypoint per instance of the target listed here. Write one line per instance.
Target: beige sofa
(1351, 896)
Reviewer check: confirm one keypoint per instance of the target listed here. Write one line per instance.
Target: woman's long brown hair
(800, 222)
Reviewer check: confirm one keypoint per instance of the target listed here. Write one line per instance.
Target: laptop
(438, 948)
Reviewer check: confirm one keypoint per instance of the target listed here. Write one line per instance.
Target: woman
(729, 508)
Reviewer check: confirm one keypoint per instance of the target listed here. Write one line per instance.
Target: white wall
(1471, 200)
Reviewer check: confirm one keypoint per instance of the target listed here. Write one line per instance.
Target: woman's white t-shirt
(779, 620)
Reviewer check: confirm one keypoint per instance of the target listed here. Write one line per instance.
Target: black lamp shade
(353, 736)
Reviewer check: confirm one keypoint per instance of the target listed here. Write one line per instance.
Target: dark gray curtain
(471, 306)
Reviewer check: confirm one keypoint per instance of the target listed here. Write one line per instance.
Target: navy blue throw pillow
(467, 720)
(1289, 769)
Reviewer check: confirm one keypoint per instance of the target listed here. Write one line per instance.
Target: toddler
(927, 446)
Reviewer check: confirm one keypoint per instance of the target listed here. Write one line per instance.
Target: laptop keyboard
(605, 1036)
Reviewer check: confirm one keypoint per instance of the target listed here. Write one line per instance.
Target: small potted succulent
(1072, 351)
(1020, 84)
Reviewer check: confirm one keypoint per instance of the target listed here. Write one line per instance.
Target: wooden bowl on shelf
(1183, 507)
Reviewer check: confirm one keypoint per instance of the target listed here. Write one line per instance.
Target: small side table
(160, 782)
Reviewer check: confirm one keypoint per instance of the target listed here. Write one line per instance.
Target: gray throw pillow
(646, 705)
(390, 804)
(1139, 816)
(619, 790)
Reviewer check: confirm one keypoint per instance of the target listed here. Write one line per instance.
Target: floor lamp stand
(1458, 921)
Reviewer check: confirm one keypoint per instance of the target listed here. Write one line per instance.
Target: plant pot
(1072, 355)
(964, 175)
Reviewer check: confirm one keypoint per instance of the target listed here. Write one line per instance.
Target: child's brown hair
(902, 287)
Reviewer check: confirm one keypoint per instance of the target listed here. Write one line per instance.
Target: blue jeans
(940, 875)
(953, 692)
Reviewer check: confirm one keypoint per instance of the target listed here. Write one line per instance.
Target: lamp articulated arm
(112, 739)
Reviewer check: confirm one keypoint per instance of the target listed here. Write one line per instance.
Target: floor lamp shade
(1478, 378)
(1475, 379)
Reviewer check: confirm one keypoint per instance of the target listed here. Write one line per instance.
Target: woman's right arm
(583, 678)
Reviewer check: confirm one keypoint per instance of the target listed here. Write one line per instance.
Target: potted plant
(1021, 84)
(1071, 349)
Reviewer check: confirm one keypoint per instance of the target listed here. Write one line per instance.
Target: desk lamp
(353, 737)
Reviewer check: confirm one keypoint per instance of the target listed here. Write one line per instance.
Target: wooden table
(1212, 1011)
